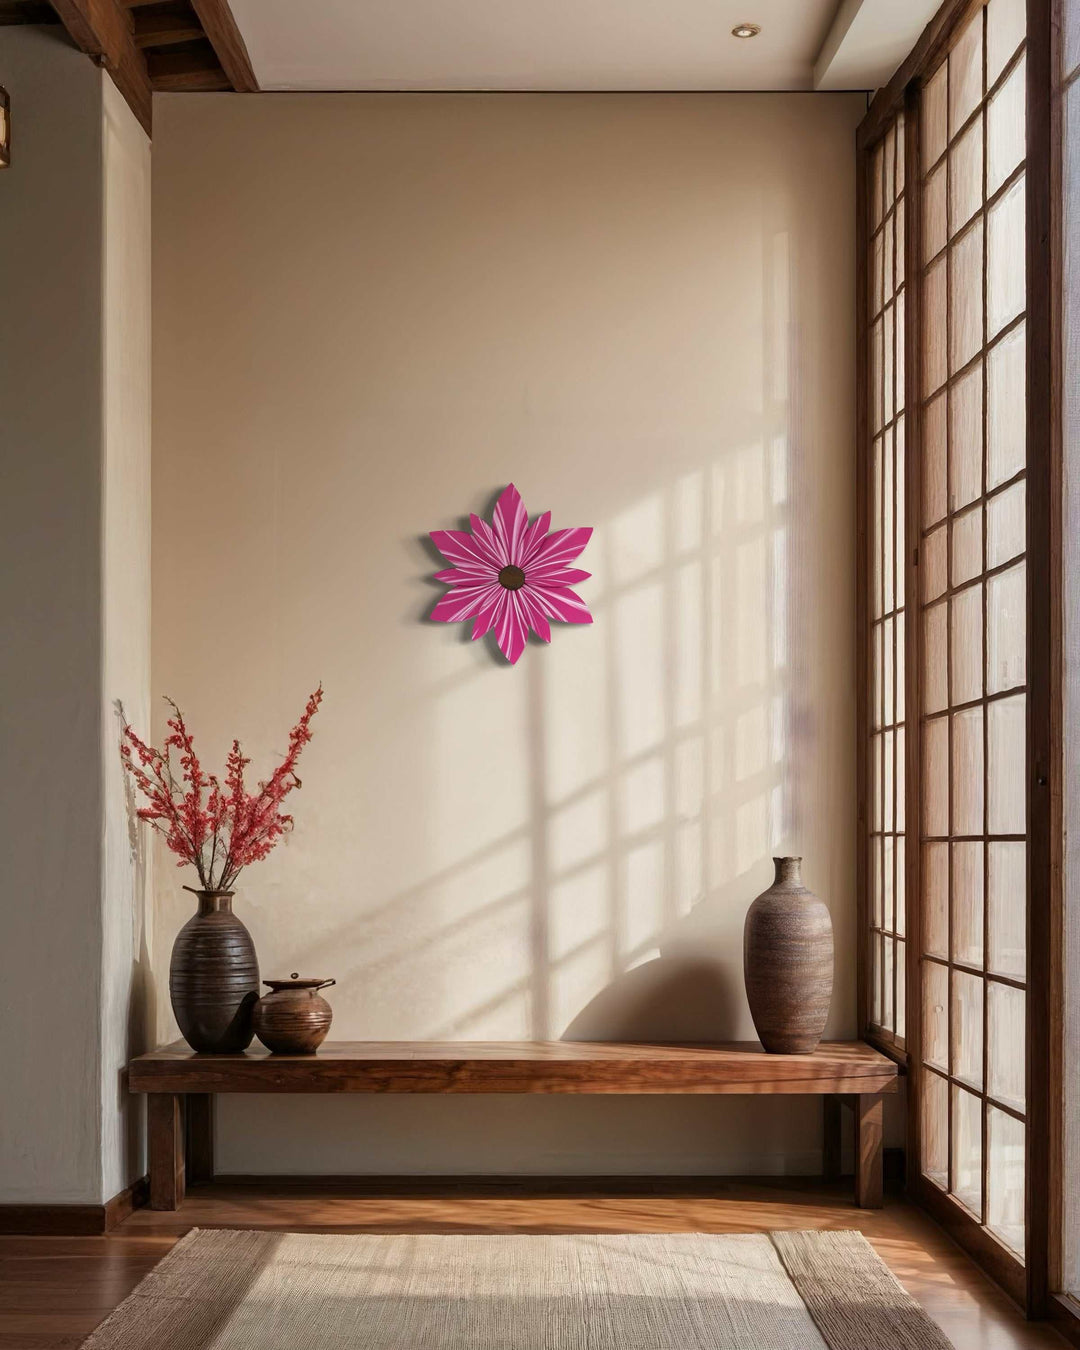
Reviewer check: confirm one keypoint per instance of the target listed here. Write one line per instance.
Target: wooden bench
(180, 1086)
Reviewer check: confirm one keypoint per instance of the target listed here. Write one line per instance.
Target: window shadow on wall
(606, 899)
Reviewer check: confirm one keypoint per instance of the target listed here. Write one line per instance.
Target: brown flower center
(513, 578)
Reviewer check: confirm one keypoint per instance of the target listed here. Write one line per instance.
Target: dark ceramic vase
(214, 977)
(788, 963)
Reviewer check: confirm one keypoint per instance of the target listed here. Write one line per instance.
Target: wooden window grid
(954, 570)
(969, 1122)
(885, 337)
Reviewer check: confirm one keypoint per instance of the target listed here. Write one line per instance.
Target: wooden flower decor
(510, 576)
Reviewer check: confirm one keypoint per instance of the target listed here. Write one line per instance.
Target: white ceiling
(868, 40)
(555, 44)
(531, 44)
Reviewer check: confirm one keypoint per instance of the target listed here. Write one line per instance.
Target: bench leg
(869, 1120)
(165, 1145)
(199, 1136)
(831, 1138)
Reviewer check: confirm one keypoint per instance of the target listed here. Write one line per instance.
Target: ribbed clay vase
(214, 977)
(788, 963)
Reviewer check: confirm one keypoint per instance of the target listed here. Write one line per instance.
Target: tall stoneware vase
(788, 963)
(214, 977)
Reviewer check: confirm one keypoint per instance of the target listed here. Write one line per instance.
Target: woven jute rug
(221, 1290)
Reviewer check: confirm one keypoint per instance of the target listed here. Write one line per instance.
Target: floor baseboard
(895, 1166)
(74, 1220)
(126, 1202)
(357, 1185)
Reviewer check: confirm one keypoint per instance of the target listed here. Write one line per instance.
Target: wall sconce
(5, 128)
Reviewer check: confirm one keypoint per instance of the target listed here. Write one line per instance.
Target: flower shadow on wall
(511, 577)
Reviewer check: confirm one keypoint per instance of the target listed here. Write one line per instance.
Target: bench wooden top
(584, 1067)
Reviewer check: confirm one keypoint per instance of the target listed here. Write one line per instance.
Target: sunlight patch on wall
(575, 708)
(580, 911)
(643, 913)
(641, 801)
(475, 727)
(687, 601)
(578, 831)
(638, 631)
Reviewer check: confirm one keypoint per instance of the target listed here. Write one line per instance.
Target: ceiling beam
(867, 41)
(160, 28)
(187, 70)
(147, 45)
(102, 29)
(26, 11)
(220, 27)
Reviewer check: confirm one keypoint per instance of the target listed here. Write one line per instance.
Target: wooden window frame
(894, 291)
(1033, 1281)
(1061, 1307)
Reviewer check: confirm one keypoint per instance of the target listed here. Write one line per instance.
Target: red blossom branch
(218, 832)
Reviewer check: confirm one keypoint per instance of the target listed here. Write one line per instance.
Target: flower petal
(562, 546)
(510, 520)
(533, 536)
(489, 608)
(473, 575)
(511, 630)
(552, 574)
(459, 546)
(486, 541)
(534, 612)
(560, 602)
(463, 602)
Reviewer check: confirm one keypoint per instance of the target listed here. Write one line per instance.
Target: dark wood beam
(165, 45)
(26, 11)
(192, 68)
(220, 27)
(102, 29)
(162, 25)
(158, 36)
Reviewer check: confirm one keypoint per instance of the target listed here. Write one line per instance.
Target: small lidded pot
(293, 1019)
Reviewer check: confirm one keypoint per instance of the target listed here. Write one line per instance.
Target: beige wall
(370, 313)
(50, 448)
(125, 683)
(74, 609)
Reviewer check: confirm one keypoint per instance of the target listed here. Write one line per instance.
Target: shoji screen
(972, 611)
(886, 599)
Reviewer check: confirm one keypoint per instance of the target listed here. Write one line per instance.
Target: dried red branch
(217, 831)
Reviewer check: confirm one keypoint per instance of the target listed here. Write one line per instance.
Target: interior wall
(50, 613)
(371, 312)
(125, 687)
(75, 592)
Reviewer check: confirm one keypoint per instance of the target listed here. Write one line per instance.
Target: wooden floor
(54, 1291)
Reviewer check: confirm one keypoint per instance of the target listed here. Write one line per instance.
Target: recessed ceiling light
(746, 30)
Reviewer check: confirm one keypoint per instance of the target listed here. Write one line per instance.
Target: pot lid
(296, 981)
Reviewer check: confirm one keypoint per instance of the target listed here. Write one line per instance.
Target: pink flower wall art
(510, 576)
